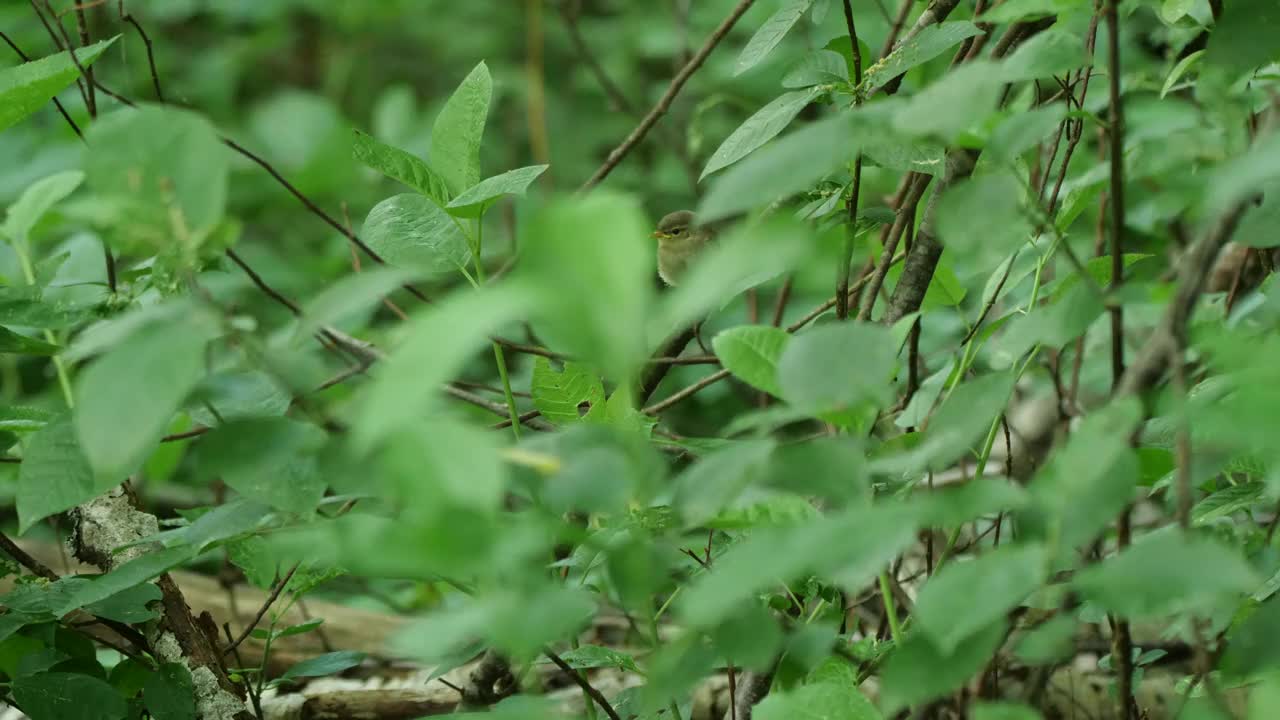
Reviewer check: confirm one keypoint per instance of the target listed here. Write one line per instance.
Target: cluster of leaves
(753, 531)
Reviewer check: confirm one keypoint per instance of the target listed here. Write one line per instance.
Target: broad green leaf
(784, 168)
(1183, 66)
(169, 693)
(126, 399)
(558, 394)
(456, 135)
(54, 475)
(595, 656)
(1171, 11)
(925, 46)
(1251, 646)
(705, 488)
(12, 342)
(902, 154)
(327, 664)
(17, 419)
(237, 396)
(953, 104)
(23, 306)
(1087, 481)
(130, 606)
(920, 671)
(67, 696)
(128, 575)
(751, 353)
(1241, 176)
(818, 701)
(741, 258)
(25, 88)
(956, 427)
(591, 262)
(759, 129)
(1052, 325)
(1052, 52)
(439, 340)
(1024, 130)
(270, 460)
(349, 296)
(770, 34)
(473, 202)
(952, 505)
(166, 169)
(834, 468)
(838, 366)
(967, 595)
(401, 166)
(1228, 501)
(1013, 10)
(1168, 572)
(1245, 36)
(526, 621)
(851, 547)
(36, 200)
(819, 67)
(987, 237)
(412, 232)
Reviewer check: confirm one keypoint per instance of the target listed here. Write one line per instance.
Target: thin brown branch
(664, 103)
(1115, 137)
(905, 212)
(262, 611)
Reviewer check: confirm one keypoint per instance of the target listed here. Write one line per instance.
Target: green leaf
(54, 475)
(819, 67)
(12, 342)
(920, 671)
(349, 296)
(25, 88)
(705, 488)
(967, 595)
(476, 200)
(592, 263)
(412, 232)
(831, 700)
(327, 664)
(36, 200)
(401, 166)
(1013, 10)
(1245, 36)
(1165, 573)
(557, 395)
(784, 168)
(925, 46)
(1024, 130)
(1240, 177)
(759, 129)
(907, 155)
(67, 696)
(130, 605)
(851, 548)
(130, 574)
(839, 366)
(1052, 52)
(1052, 325)
(956, 427)
(595, 656)
(23, 419)
(952, 505)
(1228, 501)
(770, 34)
(953, 104)
(751, 353)
(459, 128)
(439, 340)
(236, 396)
(987, 237)
(169, 693)
(271, 460)
(166, 169)
(1251, 646)
(126, 399)
(1179, 70)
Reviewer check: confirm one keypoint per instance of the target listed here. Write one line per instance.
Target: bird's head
(674, 227)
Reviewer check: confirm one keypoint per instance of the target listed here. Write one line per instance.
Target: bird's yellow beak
(659, 235)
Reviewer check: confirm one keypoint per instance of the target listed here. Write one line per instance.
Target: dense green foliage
(985, 381)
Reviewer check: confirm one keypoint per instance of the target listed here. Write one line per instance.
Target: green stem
(498, 355)
(64, 380)
(890, 609)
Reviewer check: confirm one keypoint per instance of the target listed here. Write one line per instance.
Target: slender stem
(499, 357)
(1116, 138)
(851, 205)
(890, 609)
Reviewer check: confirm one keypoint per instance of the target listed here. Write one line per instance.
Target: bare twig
(664, 103)
(262, 611)
(851, 205)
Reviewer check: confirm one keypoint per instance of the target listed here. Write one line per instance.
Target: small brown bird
(680, 239)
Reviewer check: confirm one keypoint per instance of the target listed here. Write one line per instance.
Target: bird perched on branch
(680, 239)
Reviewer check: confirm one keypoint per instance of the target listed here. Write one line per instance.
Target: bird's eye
(678, 231)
